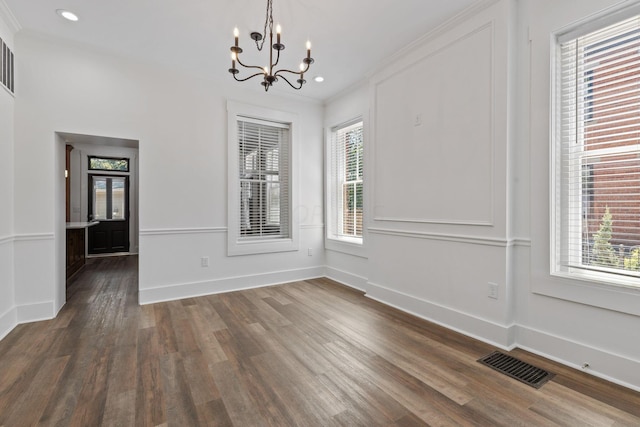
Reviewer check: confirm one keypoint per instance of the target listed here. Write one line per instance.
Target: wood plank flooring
(310, 353)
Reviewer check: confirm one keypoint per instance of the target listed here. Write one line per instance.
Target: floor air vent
(521, 371)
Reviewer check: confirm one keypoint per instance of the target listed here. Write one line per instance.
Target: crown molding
(433, 34)
(7, 16)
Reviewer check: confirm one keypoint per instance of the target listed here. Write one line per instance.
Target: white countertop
(72, 225)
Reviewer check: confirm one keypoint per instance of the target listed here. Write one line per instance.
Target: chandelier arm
(249, 66)
(275, 64)
(288, 82)
(250, 77)
(299, 73)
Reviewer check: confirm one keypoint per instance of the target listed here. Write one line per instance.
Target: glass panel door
(108, 198)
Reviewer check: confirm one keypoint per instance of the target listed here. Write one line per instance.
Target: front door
(108, 204)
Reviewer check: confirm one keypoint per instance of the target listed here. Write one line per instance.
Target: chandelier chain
(268, 21)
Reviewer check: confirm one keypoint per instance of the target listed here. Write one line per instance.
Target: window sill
(350, 246)
(591, 289)
(263, 246)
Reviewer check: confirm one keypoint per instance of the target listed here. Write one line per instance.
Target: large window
(262, 196)
(346, 183)
(597, 155)
(264, 183)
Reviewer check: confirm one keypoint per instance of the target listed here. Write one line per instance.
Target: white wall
(435, 255)
(439, 229)
(180, 123)
(8, 317)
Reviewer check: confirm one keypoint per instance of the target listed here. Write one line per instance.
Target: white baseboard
(230, 284)
(8, 321)
(501, 336)
(36, 312)
(345, 278)
(603, 364)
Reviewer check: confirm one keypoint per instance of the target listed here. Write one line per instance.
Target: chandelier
(269, 73)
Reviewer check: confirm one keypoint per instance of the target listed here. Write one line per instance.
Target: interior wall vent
(517, 369)
(6, 66)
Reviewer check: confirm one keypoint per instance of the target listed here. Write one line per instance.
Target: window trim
(612, 278)
(589, 290)
(344, 244)
(235, 245)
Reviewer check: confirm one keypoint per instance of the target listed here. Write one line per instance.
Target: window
(261, 210)
(108, 164)
(345, 184)
(6, 67)
(263, 159)
(597, 155)
(108, 197)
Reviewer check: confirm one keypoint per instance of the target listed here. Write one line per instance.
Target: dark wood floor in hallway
(310, 353)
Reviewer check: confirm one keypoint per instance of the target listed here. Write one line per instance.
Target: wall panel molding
(205, 230)
(172, 231)
(521, 242)
(433, 143)
(458, 238)
(434, 221)
(33, 237)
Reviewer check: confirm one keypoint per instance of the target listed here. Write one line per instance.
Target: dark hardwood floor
(309, 353)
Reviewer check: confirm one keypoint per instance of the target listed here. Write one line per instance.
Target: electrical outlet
(310, 252)
(204, 261)
(493, 290)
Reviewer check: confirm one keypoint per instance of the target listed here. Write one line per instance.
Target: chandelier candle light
(268, 73)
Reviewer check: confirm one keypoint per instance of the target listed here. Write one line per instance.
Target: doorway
(96, 171)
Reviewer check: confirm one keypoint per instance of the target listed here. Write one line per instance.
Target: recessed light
(69, 16)
(318, 79)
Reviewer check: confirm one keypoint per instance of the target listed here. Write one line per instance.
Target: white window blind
(264, 179)
(346, 181)
(597, 183)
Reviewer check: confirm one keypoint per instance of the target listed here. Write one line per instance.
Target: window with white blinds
(346, 182)
(597, 155)
(263, 150)
(6, 67)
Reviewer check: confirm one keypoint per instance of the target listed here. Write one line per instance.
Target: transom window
(597, 155)
(108, 164)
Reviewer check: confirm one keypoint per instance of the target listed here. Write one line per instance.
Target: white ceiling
(349, 37)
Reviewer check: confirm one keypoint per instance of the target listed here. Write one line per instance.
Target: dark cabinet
(75, 250)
